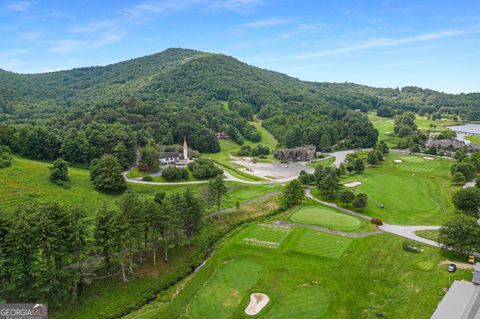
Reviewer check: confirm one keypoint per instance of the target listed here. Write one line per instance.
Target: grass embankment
(414, 192)
(308, 274)
(322, 162)
(429, 234)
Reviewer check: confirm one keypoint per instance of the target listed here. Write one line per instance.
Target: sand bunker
(428, 158)
(353, 184)
(257, 302)
(398, 161)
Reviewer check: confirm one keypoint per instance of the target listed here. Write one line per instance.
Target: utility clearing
(258, 301)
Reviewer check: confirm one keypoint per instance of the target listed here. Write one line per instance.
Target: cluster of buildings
(304, 153)
(451, 145)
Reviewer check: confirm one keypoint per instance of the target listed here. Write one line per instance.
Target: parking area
(274, 171)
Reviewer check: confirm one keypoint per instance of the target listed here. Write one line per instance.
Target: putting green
(309, 302)
(326, 217)
(224, 290)
(313, 242)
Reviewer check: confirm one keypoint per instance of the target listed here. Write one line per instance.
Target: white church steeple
(185, 149)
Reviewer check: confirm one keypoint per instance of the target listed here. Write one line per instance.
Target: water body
(465, 130)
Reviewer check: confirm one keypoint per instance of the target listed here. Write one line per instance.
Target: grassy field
(414, 192)
(385, 126)
(229, 147)
(26, 181)
(428, 234)
(311, 275)
(473, 139)
(322, 162)
(324, 216)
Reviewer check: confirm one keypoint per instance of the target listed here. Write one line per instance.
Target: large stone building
(449, 145)
(304, 153)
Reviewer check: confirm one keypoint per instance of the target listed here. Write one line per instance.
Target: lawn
(322, 162)
(473, 139)
(27, 180)
(324, 216)
(229, 147)
(414, 192)
(385, 126)
(424, 124)
(269, 236)
(312, 275)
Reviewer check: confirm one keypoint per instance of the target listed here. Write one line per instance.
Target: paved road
(404, 231)
(409, 232)
(330, 231)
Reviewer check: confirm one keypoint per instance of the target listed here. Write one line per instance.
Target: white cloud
(67, 46)
(266, 23)
(388, 42)
(19, 6)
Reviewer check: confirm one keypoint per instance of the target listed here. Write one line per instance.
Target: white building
(175, 157)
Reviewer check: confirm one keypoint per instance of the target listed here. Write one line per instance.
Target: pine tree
(217, 190)
(110, 237)
(192, 215)
(132, 209)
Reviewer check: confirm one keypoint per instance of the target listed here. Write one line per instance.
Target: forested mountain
(82, 113)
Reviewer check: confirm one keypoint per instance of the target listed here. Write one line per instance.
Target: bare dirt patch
(258, 301)
(353, 184)
(465, 266)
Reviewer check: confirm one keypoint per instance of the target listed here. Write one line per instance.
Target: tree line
(48, 252)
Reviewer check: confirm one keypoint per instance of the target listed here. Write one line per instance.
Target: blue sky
(434, 44)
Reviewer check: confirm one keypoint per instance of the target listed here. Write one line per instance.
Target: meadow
(414, 192)
(27, 180)
(229, 147)
(385, 126)
(306, 275)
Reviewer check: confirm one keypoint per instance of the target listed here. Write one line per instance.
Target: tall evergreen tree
(217, 190)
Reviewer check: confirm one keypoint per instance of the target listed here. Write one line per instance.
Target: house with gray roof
(450, 144)
(462, 300)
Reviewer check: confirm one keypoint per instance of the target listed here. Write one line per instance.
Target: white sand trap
(353, 184)
(257, 302)
(388, 132)
(428, 158)
(397, 161)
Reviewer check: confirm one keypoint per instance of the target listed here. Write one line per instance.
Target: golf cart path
(228, 178)
(403, 231)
